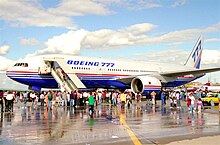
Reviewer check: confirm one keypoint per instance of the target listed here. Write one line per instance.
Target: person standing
(25, 97)
(17, 96)
(68, 97)
(100, 97)
(162, 98)
(80, 96)
(85, 97)
(199, 105)
(148, 97)
(108, 94)
(9, 102)
(138, 98)
(199, 94)
(64, 96)
(182, 96)
(104, 97)
(118, 99)
(2, 100)
(114, 97)
(153, 96)
(192, 98)
(128, 99)
(91, 101)
(42, 99)
(123, 100)
(76, 99)
(178, 97)
(188, 101)
(50, 98)
(71, 99)
(32, 96)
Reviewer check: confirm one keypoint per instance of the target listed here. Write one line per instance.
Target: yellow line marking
(130, 133)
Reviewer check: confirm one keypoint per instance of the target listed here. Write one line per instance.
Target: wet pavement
(110, 125)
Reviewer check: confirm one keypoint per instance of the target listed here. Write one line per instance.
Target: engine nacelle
(143, 84)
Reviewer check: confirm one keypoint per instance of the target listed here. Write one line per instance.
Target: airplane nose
(8, 71)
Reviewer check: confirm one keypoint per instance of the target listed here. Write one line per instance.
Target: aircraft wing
(173, 74)
(189, 72)
(126, 80)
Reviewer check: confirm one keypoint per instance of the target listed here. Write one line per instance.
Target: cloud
(30, 41)
(211, 57)
(213, 40)
(32, 13)
(178, 3)
(66, 43)
(132, 4)
(4, 49)
(106, 38)
(176, 56)
(187, 34)
(73, 41)
(144, 4)
(6, 83)
(137, 35)
(5, 63)
(79, 8)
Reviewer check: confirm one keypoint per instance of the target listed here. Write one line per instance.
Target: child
(199, 105)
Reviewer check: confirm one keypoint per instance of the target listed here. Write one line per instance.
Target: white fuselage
(100, 70)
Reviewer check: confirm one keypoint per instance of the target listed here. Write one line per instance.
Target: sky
(149, 30)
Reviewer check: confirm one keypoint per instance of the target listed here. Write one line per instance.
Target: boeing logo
(90, 63)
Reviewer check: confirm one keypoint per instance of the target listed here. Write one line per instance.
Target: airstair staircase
(63, 74)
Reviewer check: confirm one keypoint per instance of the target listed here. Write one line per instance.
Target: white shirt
(100, 95)
(80, 95)
(178, 96)
(192, 98)
(32, 95)
(9, 96)
(68, 96)
(108, 94)
(114, 96)
(85, 94)
(42, 96)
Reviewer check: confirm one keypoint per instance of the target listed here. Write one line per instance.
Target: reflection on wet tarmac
(64, 125)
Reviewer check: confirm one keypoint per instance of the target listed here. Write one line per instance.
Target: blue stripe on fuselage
(47, 81)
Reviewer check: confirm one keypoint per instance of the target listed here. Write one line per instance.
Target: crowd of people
(73, 99)
(193, 99)
(76, 99)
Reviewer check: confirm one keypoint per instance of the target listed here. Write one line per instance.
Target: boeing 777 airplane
(78, 72)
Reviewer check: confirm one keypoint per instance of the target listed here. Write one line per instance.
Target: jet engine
(143, 84)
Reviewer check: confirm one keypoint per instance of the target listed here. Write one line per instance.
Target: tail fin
(194, 58)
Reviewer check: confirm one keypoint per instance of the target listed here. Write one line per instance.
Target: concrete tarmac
(110, 125)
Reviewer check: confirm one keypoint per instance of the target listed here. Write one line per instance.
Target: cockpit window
(21, 64)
